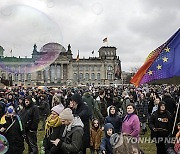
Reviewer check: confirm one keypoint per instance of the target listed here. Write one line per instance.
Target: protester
(53, 130)
(177, 143)
(30, 119)
(44, 110)
(73, 133)
(106, 147)
(131, 123)
(81, 109)
(114, 119)
(90, 102)
(11, 127)
(160, 124)
(142, 112)
(95, 136)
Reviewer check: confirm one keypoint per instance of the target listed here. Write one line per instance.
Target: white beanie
(66, 114)
(58, 108)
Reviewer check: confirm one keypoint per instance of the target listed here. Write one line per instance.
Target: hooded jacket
(73, 143)
(105, 143)
(115, 120)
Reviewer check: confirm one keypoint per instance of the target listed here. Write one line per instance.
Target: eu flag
(162, 63)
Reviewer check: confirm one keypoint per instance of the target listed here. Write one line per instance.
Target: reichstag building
(64, 70)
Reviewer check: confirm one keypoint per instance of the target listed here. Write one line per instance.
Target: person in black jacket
(114, 119)
(81, 109)
(160, 124)
(30, 119)
(12, 129)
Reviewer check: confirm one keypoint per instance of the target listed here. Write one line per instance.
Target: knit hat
(10, 110)
(77, 98)
(66, 114)
(58, 108)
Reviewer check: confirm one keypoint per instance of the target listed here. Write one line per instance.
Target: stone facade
(65, 70)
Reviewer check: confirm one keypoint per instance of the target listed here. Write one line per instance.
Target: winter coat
(142, 110)
(95, 138)
(105, 142)
(30, 117)
(44, 108)
(56, 133)
(161, 121)
(14, 135)
(115, 120)
(90, 102)
(73, 141)
(83, 112)
(131, 126)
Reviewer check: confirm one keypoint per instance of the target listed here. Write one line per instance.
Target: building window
(29, 77)
(87, 68)
(98, 76)
(98, 68)
(81, 68)
(75, 76)
(22, 77)
(3, 76)
(92, 76)
(92, 68)
(110, 68)
(87, 76)
(39, 75)
(16, 77)
(81, 76)
(110, 76)
(74, 68)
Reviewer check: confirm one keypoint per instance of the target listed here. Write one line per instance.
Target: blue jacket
(105, 142)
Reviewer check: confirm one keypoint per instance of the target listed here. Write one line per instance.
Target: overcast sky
(135, 27)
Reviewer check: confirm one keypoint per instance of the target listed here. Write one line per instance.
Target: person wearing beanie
(30, 119)
(11, 127)
(81, 109)
(160, 124)
(73, 133)
(53, 130)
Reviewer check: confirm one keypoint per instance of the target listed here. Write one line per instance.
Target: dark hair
(131, 104)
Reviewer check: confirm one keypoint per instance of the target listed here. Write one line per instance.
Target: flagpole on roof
(77, 60)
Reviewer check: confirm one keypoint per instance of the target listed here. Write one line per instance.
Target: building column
(55, 70)
(61, 72)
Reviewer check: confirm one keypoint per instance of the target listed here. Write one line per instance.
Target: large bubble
(97, 8)
(27, 36)
(4, 145)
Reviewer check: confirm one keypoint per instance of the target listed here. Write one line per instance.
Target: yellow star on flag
(165, 59)
(167, 49)
(159, 67)
(150, 72)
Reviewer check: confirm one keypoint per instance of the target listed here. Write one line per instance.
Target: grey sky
(135, 27)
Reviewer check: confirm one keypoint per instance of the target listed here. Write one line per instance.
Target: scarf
(50, 123)
(2, 120)
(128, 116)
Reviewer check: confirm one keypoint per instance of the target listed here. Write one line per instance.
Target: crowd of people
(75, 119)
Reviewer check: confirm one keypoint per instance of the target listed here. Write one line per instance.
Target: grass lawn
(148, 148)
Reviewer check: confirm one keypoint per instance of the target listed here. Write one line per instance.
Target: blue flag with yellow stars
(162, 63)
